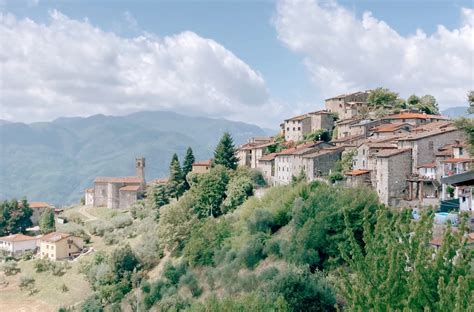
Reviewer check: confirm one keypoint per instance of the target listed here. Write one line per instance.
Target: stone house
(388, 130)
(352, 140)
(58, 246)
(357, 177)
(391, 169)
(321, 120)
(38, 208)
(347, 106)
(89, 197)
(266, 165)
(363, 158)
(414, 118)
(362, 127)
(250, 153)
(296, 127)
(425, 144)
(203, 166)
(120, 192)
(320, 163)
(18, 243)
(343, 128)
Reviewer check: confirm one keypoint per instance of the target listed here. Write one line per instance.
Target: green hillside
(55, 161)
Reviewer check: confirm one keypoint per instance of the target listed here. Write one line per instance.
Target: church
(117, 192)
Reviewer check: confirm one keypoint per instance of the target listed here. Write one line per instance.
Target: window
(461, 151)
(363, 152)
(293, 128)
(299, 128)
(288, 128)
(430, 145)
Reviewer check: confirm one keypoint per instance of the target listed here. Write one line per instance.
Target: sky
(252, 61)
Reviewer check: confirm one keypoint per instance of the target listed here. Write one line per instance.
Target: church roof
(130, 188)
(118, 180)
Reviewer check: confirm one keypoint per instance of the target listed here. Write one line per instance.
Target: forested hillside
(55, 161)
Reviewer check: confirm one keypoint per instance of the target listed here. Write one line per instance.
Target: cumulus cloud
(343, 52)
(68, 67)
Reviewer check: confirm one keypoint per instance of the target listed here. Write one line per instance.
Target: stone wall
(127, 198)
(100, 194)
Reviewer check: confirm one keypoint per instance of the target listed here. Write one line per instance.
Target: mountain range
(55, 161)
(458, 111)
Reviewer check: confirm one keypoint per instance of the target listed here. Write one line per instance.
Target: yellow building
(202, 166)
(57, 246)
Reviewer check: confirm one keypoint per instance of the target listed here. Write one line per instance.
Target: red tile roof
(390, 127)
(422, 135)
(323, 151)
(55, 237)
(357, 172)
(268, 157)
(206, 163)
(130, 188)
(37, 205)
(408, 115)
(298, 148)
(429, 165)
(17, 238)
(457, 160)
(118, 180)
(298, 118)
(391, 152)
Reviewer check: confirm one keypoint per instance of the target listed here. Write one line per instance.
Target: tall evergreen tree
(225, 153)
(47, 223)
(176, 180)
(188, 165)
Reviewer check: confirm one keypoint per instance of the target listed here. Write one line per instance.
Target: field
(50, 295)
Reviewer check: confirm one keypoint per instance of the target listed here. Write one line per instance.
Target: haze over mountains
(55, 161)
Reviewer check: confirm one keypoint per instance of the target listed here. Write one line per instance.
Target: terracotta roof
(408, 115)
(429, 165)
(381, 145)
(422, 135)
(130, 188)
(118, 180)
(457, 160)
(249, 146)
(433, 126)
(203, 163)
(391, 152)
(348, 121)
(90, 190)
(348, 138)
(390, 127)
(268, 157)
(323, 151)
(17, 238)
(298, 148)
(36, 205)
(320, 112)
(357, 172)
(55, 237)
(298, 118)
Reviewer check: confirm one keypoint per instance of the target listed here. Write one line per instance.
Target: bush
(27, 255)
(42, 265)
(110, 238)
(189, 280)
(261, 221)
(63, 288)
(28, 283)
(272, 247)
(173, 273)
(268, 274)
(10, 268)
(121, 221)
(252, 253)
(99, 228)
(92, 304)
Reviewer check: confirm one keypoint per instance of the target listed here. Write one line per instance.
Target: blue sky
(263, 37)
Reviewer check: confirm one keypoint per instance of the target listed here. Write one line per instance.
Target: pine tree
(47, 223)
(176, 180)
(225, 153)
(188, 166)
(161, 195)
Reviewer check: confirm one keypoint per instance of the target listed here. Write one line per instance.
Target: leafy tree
(15, 217)
(470, 100)
(188, 165)
(319, 135)
(176, 179)
(467, 124)
(123, 260)
(209, 192)
(428, 105)
(225, 153)
(413, 100)
(382, 97)
(240, 187)
(396, 270)
(47, 223)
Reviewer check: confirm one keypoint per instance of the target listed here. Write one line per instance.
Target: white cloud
(69, 67)
(343, 52)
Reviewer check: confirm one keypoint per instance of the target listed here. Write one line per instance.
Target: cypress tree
(176, 181)
(225, 153)
(47, 223)
(188, 165)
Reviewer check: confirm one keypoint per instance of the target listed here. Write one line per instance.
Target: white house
(18, 243)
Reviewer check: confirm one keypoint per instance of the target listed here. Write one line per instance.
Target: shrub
(268, 274)
(261, 221)
(27, 283)
(110, 238)
(27, 255)
(252, 253)
(10, 268)
(189, 279)
(59, 269)
(42, 265)
(121, 221)
(92, 304)
(173, 273)
(98, 227)
(63, 288)
(272, 247)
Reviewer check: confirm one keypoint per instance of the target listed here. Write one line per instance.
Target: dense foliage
(225, 153)
(46, 222)
(14, 217)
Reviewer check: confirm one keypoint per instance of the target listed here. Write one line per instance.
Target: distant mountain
(455, 112)
(55, 161)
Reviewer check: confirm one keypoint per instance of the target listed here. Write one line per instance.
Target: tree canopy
(15, 217)
(188, 165)
(176, 179)
(47, 223)
(225, 153)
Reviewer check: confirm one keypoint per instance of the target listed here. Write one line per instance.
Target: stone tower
(140, 170)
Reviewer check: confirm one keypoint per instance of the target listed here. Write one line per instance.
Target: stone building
(58, 246)
(203, 166)
(38, 208)
(388, 130)
(266, 164)
(120, 192)
(362, 127)
(250, 152)
(320, 162)
(347, 106)
(391, 170)
(414, 118)
(297, 127)
(89, 197)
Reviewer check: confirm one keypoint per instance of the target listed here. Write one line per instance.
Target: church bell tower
(140, 169)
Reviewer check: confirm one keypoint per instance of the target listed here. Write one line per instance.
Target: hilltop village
(405, 156)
